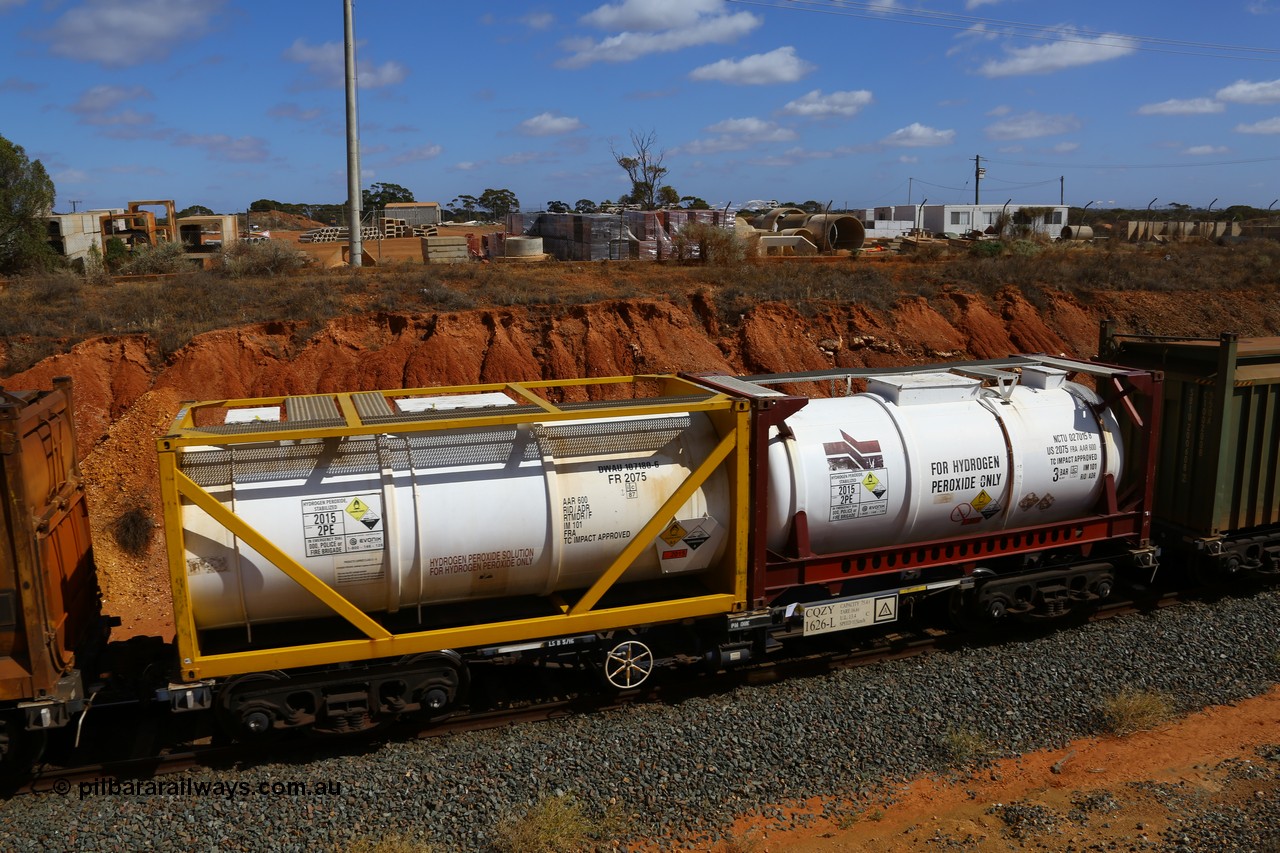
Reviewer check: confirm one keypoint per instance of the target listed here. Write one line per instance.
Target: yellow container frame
(730, 415)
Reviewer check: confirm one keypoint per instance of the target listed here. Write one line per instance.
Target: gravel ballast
(686, 771)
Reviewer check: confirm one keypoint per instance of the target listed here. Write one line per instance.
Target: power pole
(353, 140)
(1062, 189)
(978, 172)
(74, 202)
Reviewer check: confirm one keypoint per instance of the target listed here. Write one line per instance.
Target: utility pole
(353, 140)
(74, 202)
(978, 172)
(1062, 189)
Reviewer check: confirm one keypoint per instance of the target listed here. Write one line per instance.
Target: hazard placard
(673, 533)
(981, 500)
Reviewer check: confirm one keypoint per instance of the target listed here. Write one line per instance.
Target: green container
(1218, 474)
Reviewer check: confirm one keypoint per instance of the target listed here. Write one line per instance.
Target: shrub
(1133, 711)
(269, 257)
(156, 260)
(965, 746)
(552, 825)
(710, 244)
(389, 844)
(132, 529)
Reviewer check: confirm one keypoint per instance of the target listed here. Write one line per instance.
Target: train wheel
(628, 664)
(19, 751)
(244, 716)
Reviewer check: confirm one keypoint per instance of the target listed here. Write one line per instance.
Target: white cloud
(101, 99)
(1179, 107)
(466, 166)
(17, 84)
(817, 105)
(327, 64)
(736, 134)
(1031, 125)
(9, 4)
(626, 46)
(295, 112)
(538, 20)
(549, 124)
(908, 159)
(219, 146)
(966, 39)
(917, 135)
(1059, 55)
(760, 69)
(1201, 150)
(1065, 147)
(1271, 125)
(120, 33)
(754, 129)
(973, 4)
(417, 155)
(1248, 92)
(70, 176)
(524, 158)
(652, 15)
(1002, 110)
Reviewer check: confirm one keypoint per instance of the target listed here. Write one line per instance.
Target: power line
(1197, 165)
(953, 21)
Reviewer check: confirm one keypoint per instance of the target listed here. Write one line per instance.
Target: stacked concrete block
(445, 250)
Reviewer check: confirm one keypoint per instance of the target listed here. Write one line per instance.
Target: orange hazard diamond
(673, 534)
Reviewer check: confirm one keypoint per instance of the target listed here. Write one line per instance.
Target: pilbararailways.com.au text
(230, 790)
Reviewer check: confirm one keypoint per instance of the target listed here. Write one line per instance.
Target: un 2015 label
(854, 613)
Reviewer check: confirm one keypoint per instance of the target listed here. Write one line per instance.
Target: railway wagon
(49, 603)
(1218, 495)
(337, 559)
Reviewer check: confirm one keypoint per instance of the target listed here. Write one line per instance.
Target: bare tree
(645, 169)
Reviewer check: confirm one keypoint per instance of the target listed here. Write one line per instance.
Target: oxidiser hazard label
(342, 524)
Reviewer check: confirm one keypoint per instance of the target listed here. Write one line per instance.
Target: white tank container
(394, 521)
(928, 456)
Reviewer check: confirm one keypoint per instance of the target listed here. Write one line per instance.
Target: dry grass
(1133, 711)
(552, 825)
(45, 314)
(965, 746)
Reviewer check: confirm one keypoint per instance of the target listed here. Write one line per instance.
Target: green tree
(26, 197)
(584, 205)
(692, 202)
(195, 210)
(464, 207)
(558, 207)
(264, 204)
(668, 197)
(379, 195)
(645, 169)
(499, 202)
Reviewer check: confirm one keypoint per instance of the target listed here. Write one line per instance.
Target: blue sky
(222, 102)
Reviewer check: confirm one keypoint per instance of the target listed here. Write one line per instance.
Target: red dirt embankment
(126, 398)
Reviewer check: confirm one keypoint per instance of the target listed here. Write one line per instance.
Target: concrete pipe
(769, 221)
(1077, 232)
(523, 247)
(800, 232)
(837, 231)
(791, 220)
